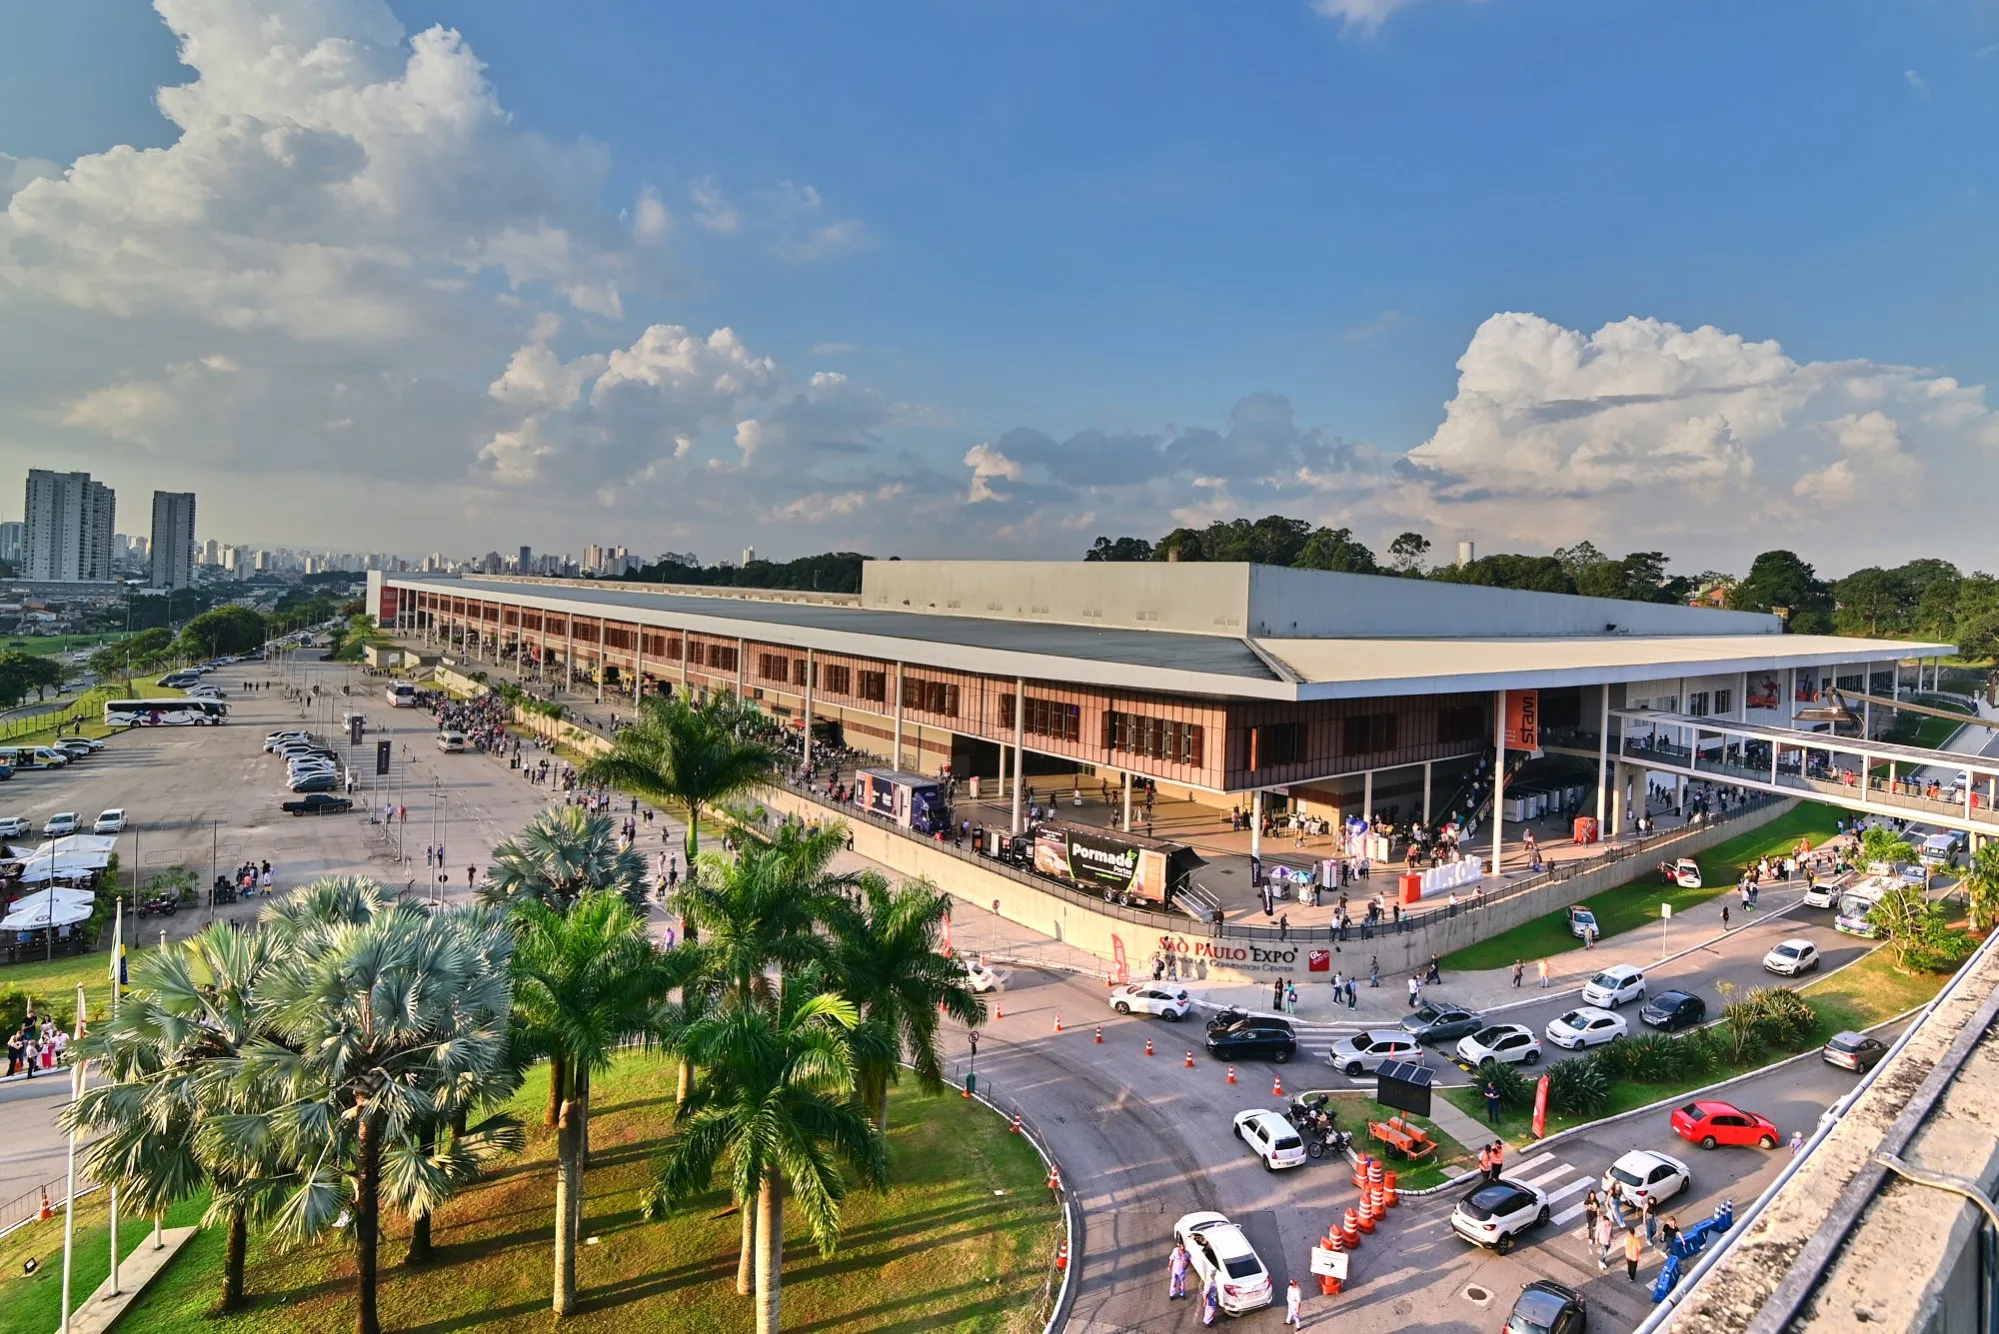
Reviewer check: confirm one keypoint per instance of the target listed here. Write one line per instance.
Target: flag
(118, 975)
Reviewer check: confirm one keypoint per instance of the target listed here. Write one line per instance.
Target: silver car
(1364, 1052)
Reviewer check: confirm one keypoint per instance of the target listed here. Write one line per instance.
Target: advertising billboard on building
(1523, 720)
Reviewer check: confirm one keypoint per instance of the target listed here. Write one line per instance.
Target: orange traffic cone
(1328, 1285)
(1388, 1194)
(1190, 1058)
(1100, 1035)
(1062, 1255)
(1148, 1046)
(1364, 1217)
(47, 1211)
(1058, 1023)
(999, 1012)
(1277, 1086)
(1231, 1074)
(1350, 1230)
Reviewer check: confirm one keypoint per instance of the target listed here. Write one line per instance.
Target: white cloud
(1365, 16)
(987, 463)
(835, 349)
(651, 223)
(1917, 83)
(712, 208)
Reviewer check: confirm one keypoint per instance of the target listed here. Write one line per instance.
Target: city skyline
(1369, 276)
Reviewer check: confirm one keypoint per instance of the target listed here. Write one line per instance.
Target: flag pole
(69, 1201)
(117, 985)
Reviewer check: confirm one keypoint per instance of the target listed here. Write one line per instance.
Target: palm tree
(1981, 885)
(889, 966)
(779, 1110)
(562, 854)
(189, 1007)
(585, 982)
(376, 1028)
(693, 755)
(762, 909)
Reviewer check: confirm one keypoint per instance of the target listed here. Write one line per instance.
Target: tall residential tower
(173, 539)
(70, 522)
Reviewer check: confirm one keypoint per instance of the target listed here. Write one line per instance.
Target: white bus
(1856, 901)
(402, 695)
(182, 711)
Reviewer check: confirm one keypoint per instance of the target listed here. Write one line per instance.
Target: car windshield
(1608, 981)
(1239, 1266)
(1490, 1201)
(1485, 1037)
(1668, 1000)
(1782, 952)
(1573, 1019)
(1620, 1172)
(1429, 1014)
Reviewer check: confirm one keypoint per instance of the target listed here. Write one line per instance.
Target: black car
(1854, 1051)
(318, 783)
(1674, 1009)
(1441, 1023)
(1252, 1039)
(317, 803)
(1547, 1307)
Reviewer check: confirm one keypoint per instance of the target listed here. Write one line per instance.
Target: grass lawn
(1872, 990)
(963, 1240)
(1637, 903)
(52, 983)
(1357, 1109)
(45, 645)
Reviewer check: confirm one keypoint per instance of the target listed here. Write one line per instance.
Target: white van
(1939, 850)
(451, 743)
(33, 757)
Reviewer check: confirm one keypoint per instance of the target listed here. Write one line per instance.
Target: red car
(1710, 1123)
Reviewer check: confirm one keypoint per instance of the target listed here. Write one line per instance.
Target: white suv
(110, 822)
(1614, 986)
(1163, 999)
(1223, 1255)
(1270, 1137)
(1366, 1051)
(1498, 1212)
(13, 826)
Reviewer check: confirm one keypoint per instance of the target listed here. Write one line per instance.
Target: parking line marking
(1548, 1175)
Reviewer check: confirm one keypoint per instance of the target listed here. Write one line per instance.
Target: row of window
(1044, 717)
(1154, 738)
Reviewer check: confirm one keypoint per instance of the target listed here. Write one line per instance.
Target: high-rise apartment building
(173, 539)
(70, 523)
(12, 535)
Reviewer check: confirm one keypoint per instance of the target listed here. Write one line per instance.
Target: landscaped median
(962, 1239)
(1637, 904)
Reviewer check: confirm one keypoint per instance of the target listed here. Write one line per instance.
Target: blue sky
(1084, 217)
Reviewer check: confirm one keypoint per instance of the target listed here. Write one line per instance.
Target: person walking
(1542, 967)
(1374, 971)
(1650, 1219)
(1519, 971)
(1592, 1206)
(1290, 998)
(1633, 1249)
(1276, 999)
(1606, 1233)
(1294, 1302)
(1211, 1303)
(1492, 1101)
(1724, 924)
(1176, 1273)
(1353, 995)
(1415, 990)
(1485, 1162)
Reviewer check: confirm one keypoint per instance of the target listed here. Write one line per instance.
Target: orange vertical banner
(1523, 719)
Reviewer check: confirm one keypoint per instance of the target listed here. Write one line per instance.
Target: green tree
(1981, 886)
(1335, 549)
(1910, 923)
(1119, 549)
(157, 1122)
(1408, 552)
(561, 855)
(761, 910)
(134, 653)
(1540, 574)
(230, 629)
(888, 965)
(381, 1018)
(1880, 844)
(1781, 579)
(21, 672)
(691, 755)
(585, 981)
(778, 1111)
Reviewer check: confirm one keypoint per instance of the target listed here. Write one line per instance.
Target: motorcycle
(1309, 1110)
(1327, 1141)
(1223, 1018)
(160, 905)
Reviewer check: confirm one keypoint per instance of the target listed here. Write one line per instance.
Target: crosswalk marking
(1529, 1164)
(1557, 1170)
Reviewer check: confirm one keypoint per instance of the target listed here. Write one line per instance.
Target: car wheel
(1170, 1016)
(1540, 1219)
(1764, 1143)
(1504, 1245)
(1280, 1056)
(1707, 1142)
(1353, 1069)
(1120, 1007)
(1268, 1166)
(1531, 1058)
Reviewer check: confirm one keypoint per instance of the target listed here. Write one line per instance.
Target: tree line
(350, 1055)
(1923, 599)
(829, 572)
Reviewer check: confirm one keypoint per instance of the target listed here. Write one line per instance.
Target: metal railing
(26, 1207)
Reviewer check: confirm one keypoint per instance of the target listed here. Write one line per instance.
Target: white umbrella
(37, 912)
(40, 872)
(61, 894)
(71, 844)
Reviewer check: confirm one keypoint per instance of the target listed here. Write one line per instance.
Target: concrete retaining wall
(1205, 958)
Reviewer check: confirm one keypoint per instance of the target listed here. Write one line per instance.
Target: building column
(1019, 736)
(809, 674)
(569, 652)
(1617, 781)
(1603, 761)
(1367, 796)
(1256, 825)
(742, 663)
(639, 671)
(896, 763)
(1498, 775)
(1127, 802)
(600, 659)
(1427, 766)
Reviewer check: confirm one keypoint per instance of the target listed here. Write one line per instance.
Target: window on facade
(774, 667)
(1724, 702)
(936, 697)
(1369, 733)
(798, 670)
(1696, 708)
(874, 686)
(1459, 723)
(1276, 744)
(1046, 717)
(834, 680)
(1162, 739)
(722, 657)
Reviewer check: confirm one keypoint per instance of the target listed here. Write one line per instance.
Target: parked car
(451, 743)
(313, 783)
(1221, 1254)
(982, 979)
(78, 748)
(109, 822)
(1253, 1038)
(315, 803)
(14, 826)
(1586, 1026)
(1673, 1010)
(1685, 872)
(1169, 1002)
(1854, 1051)
(1496, 1213)
(1614, 985)
(1366, 1050)
(1509, 1044)
(1441, 1023)
(1709, 1123)
(1644, 1175)
(1788, 958)
(278, 738)
(1547, 1307)
(59, 825)
(1270, 1137)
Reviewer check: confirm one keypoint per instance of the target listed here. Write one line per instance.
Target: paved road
(1145, 1139)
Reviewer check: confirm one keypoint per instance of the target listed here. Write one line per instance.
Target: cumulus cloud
(712, 208)
(1364, 16)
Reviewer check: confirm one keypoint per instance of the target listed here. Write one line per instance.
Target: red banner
(945, 951)
(1120, 972)
(1523, 719)
(1540, 1106)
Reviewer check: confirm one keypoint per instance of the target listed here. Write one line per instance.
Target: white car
(1586, 1026)
(59, 824)
(1169, 1002)
(110, 822)
(1644, 1175)
(1497, 1212)
(980, 979)
(1270, 1137)
(1614, 986)
(1366, 1050)
(1790, 957)
(1221, 1253)
(13, 826)
(278, 739)
(1510, 1044)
